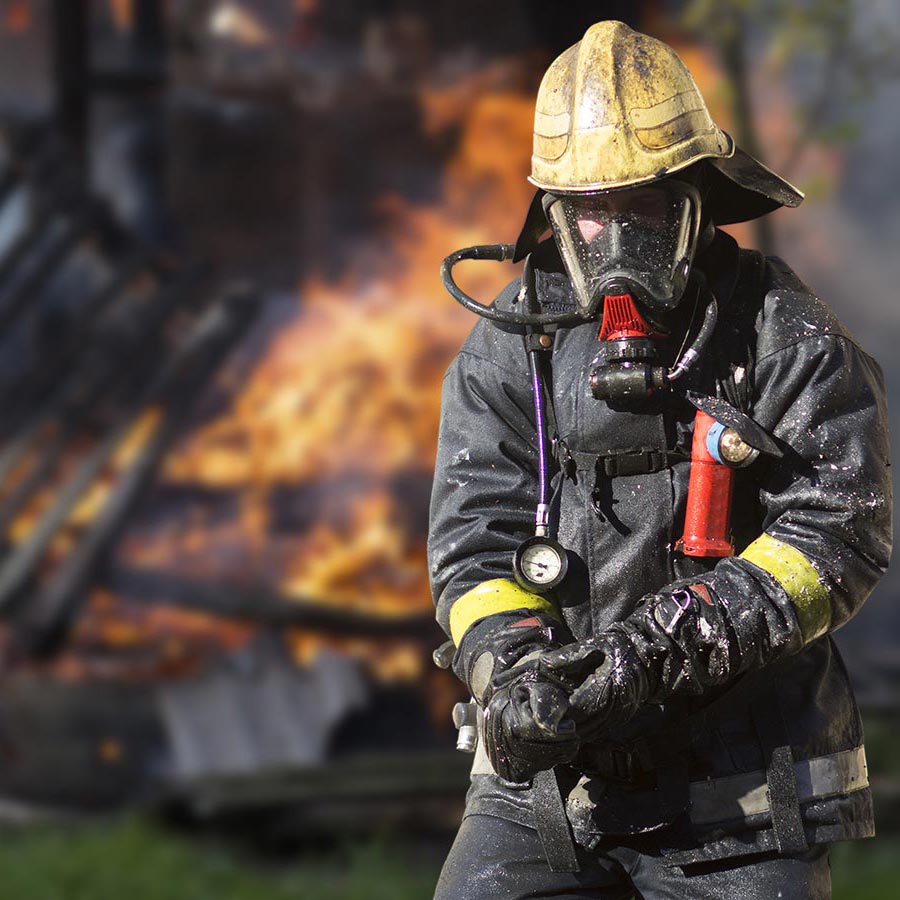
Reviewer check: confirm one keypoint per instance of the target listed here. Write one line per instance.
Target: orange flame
(122, 13)
(339, 418)
(17, 17)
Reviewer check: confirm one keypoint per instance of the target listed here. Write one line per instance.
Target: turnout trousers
(497, 859)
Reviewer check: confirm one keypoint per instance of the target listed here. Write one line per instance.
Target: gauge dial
(540, 564)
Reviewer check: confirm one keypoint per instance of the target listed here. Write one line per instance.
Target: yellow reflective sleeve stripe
(801, 582)
(489, 597)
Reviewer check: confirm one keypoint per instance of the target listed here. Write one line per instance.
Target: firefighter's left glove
(676, 642)
(494, 645)
(526, 724)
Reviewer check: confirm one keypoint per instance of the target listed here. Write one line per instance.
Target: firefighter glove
(526, 724)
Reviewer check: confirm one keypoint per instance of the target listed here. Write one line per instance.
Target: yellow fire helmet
(620, 109)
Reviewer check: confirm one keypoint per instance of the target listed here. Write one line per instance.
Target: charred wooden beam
(44, 621)
(21, 564)
(39, 472)
(60, 195)
(70, 35)
(81, 391)
(168, 388)
(43, 262)
(94, 367)
(265, 606)
(35, 385)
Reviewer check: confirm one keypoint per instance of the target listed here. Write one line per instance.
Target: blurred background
(223, 336)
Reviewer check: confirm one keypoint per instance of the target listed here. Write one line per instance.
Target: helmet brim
(741, 188)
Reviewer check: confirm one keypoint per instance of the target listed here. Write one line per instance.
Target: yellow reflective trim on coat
(495, 596)
(801, 582)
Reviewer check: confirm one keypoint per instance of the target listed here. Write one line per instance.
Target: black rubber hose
(496, 253)
(692, 354)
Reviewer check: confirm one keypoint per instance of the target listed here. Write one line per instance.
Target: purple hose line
(539, 422)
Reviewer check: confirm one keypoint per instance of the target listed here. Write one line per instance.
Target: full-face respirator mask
(628, 254)
(631, 251)
(638, 241)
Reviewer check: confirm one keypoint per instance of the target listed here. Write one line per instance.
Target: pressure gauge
(540, 564)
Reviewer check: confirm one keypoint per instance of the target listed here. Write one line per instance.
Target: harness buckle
(637, 461)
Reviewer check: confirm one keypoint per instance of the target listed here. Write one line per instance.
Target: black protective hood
(740, 188)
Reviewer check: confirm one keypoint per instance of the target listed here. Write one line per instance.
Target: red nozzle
(707, 523)
(621, 319)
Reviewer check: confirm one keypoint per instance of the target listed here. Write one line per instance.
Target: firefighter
(662, 483)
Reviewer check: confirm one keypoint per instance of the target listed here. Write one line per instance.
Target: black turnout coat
(689, 774)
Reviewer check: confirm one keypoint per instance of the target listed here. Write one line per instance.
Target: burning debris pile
(165, 514)
(314, 480)
(214, 503)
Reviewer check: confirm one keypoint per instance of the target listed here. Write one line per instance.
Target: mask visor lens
(640, 236)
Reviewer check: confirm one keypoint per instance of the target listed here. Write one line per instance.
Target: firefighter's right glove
(494, 645)
(526, 724)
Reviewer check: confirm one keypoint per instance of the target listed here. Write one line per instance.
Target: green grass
(136, 860)
(866, 870)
